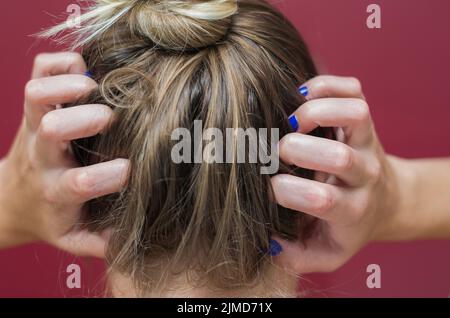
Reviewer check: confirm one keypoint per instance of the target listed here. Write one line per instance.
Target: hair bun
(180, 25)
(171, 24)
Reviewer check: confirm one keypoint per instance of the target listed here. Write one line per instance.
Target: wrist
(10, 233)
(399, 222)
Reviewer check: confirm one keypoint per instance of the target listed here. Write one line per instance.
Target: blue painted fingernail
(88, 74)
(275, 248)
(303, 90)
(294, 123)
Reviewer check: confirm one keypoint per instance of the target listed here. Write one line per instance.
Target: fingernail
(88, 74)
(303, 90)
(294, 123)
(275, 248)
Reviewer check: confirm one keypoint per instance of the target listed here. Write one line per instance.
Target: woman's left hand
(355, 193)
(42, 188)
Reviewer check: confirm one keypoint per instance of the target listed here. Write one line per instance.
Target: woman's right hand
(42, 190)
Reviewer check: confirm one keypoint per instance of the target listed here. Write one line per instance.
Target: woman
(222, 247)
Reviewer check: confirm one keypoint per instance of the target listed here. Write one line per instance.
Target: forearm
(424, 203)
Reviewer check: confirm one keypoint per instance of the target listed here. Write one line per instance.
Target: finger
(332, 86)
(320, 200)
(352, 115)
(84, 243)
(315, 256)
(50, 64)
(42, 95)
(79, 185)
(323, 155)
(60, 126)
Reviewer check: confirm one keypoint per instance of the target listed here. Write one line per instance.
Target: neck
(282, 285)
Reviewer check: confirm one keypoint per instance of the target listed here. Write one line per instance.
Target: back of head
(162, 65)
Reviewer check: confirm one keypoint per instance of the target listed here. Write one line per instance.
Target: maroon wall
(404, 68)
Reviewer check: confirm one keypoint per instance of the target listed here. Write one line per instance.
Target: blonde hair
(202, 22)
(161, 65)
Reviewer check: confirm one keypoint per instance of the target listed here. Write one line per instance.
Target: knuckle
(322, 85)
(33, 90)
(307, 110)
(362, 110)
(287, 143)
(73, 58)
(324, 201)
(86, 84)
(101, 116)
(40, 59)
(99, 119)
(344, 158)
(82, 184)
(48, 128)
(355, 84)
(277, 188)
(320, 82)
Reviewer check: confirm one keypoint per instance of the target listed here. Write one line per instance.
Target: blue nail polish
(294, 123)
(275, 248)
(303, 90)
(88, 74)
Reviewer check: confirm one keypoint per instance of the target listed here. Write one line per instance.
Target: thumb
(304, 258)
(85, 243)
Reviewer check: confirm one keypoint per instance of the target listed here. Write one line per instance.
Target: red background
(404, 68)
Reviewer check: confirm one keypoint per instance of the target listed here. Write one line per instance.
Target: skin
(42, 191)
(360, 193)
